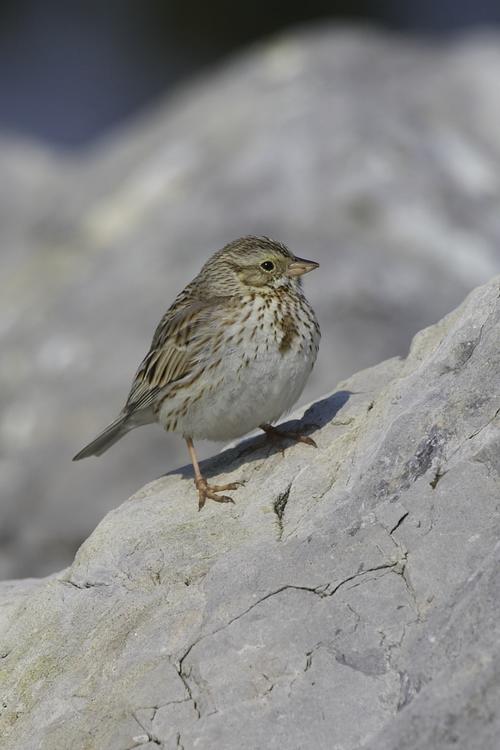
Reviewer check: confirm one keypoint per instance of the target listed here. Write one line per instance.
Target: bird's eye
(268, 265)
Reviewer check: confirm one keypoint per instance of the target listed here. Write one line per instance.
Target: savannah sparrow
(231, 354)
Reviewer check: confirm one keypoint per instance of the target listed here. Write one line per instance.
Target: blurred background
(138, 137)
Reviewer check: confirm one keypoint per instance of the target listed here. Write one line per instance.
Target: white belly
(248, 397)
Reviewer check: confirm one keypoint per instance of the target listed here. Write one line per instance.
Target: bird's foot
(275, 434)
(209, 491)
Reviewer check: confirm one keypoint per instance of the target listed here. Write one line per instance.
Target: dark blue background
(72, 69)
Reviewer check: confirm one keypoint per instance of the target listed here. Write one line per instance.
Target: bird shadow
(256, 447)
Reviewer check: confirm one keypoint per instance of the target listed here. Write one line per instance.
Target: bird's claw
(231, 486)
(207, 491)
(274, 433)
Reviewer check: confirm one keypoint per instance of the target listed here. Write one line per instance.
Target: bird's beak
(299, 266)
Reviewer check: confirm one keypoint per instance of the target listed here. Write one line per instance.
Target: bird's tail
(108, 437)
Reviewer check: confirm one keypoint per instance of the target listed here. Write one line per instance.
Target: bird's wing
(180, 343)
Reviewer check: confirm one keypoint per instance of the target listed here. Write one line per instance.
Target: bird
(231, 354)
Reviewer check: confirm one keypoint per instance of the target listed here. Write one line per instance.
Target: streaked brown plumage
(232, 353)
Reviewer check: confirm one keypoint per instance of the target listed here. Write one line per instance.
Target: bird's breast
(272, 327)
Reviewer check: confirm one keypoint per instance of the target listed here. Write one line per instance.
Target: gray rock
(377, 155)
(348, 600)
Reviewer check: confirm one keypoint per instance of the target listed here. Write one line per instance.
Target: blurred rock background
(137, 138)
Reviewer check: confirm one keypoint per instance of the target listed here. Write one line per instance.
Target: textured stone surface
(378, 156)
(348, 600)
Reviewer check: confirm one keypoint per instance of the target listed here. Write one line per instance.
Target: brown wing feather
(177, 347)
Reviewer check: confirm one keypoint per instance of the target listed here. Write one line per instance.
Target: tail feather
(108, 437)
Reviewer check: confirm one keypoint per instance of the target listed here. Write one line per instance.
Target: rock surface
(348, 600)
(377, 155)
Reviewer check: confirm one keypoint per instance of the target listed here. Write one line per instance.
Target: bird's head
(254, 264)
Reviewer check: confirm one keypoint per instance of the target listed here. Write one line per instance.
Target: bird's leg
(274, 433)
(206, 490)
